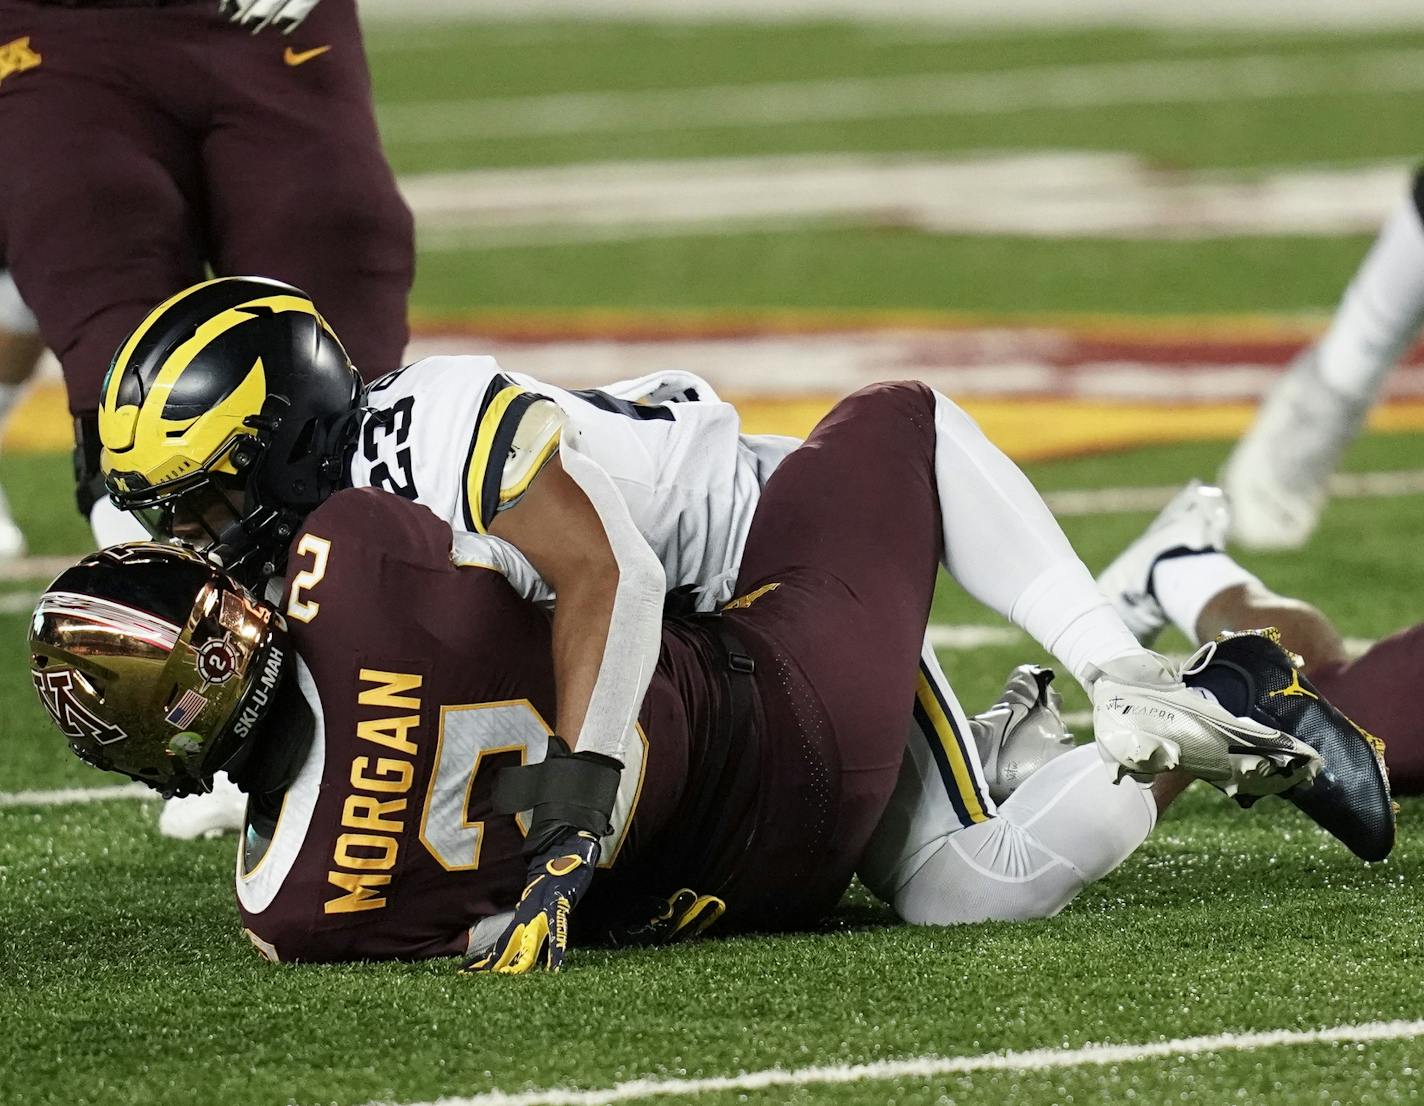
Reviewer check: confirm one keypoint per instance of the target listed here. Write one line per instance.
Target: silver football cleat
(1146, 722)
(1022, 731)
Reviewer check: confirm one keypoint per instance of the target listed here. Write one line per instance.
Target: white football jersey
(464, 438)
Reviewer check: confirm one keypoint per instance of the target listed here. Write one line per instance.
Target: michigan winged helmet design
(225, 417)
(156, 664)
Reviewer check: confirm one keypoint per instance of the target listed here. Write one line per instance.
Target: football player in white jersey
(232, 411)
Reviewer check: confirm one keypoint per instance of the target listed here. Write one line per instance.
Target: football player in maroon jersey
(393, 736)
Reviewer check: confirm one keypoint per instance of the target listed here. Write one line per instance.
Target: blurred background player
(1178, 572)
(1277, 475)
(162, 138)
(20, 350)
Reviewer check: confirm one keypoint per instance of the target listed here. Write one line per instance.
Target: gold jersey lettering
(373, 809)
(383, 851)
(389, 690)
(390, 732)
(359, 894)
(391, 775)
(364, 812)
(16, 57)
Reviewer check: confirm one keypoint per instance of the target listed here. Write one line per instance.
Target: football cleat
(212, 814)
(1195, 521)
(1146, 721)
(1022, 731)
(1276, 478)
(1350, 797)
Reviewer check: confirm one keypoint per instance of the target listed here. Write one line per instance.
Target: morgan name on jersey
(466, 440)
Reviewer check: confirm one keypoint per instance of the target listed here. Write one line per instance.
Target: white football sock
(1065, 827)
(1381, 310)
(1005, 548)
(1185, 585)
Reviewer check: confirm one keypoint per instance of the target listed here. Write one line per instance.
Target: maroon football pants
(1377, 691)
(141, 144)
(846, 541)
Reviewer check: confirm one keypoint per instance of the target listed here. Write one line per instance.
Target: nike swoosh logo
(293, 57)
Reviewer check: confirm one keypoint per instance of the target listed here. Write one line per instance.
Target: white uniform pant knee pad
(1065, 828)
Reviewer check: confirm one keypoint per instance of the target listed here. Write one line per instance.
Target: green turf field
(124, 977)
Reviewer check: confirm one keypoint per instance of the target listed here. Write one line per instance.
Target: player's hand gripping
(571, 796)
(257, 14)
(538, 934)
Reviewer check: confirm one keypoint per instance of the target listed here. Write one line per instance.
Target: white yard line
(939, 95)
(66, 795)
(936, 1067)
(1043, 193)
(1109, 501)
(34, 568)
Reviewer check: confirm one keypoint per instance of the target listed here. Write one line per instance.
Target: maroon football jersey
(424, 680)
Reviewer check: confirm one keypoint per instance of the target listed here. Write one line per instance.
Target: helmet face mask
(226, 417)
(156, 664)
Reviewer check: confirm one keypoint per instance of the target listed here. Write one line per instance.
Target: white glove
(257, 14)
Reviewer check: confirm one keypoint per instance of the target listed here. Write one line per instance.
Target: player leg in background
(298, 187)
(20, 350)
(1178, 572)
(97, 215)
(839, 570)
(1276, 477)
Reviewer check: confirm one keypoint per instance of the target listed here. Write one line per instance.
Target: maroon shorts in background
(1376, 690)
(145, 143)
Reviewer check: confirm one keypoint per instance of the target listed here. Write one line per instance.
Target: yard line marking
(928, 1067)
(780, 103)
(66, 795)
(1042, 193)
(18, 602)
(963, 637)
(1109, 501)
(33, 567)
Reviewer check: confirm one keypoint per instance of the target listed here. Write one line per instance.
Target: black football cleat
(1252, 674)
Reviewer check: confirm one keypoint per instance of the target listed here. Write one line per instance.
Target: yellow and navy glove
(571, 796)
(681, 916)
(538, 934)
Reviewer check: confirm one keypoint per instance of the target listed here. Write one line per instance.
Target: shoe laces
(1200, 659)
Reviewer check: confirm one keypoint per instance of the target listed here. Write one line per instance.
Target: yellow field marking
(1041, 429)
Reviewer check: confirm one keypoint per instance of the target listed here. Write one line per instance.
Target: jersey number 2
(471, 735)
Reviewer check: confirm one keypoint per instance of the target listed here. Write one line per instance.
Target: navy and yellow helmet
(222, 417)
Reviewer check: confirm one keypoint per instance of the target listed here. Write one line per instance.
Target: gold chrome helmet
(155, 663)
(228, 412)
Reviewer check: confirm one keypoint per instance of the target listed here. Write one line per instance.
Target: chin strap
(567, 791)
